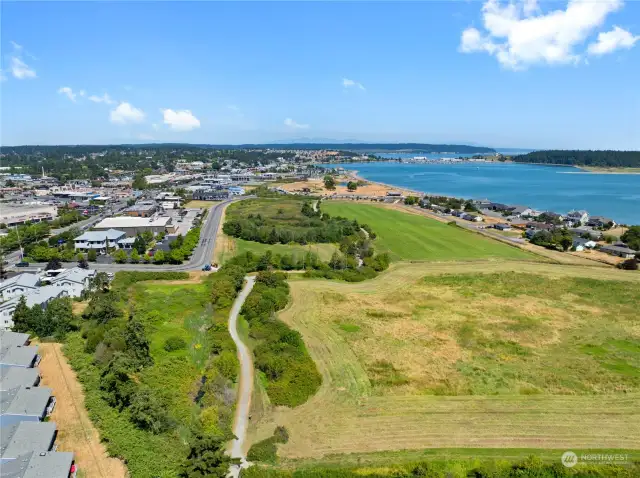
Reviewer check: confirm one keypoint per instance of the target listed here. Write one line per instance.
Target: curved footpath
(241, 419)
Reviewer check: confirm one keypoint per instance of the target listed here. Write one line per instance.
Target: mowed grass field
(412, 237)
(438, 355)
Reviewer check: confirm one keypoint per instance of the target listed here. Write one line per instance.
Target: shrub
(174, 343)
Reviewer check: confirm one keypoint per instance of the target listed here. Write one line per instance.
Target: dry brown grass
(225, 245)
(79, 307)
(75, 431)
(415, 326)
(196, 204)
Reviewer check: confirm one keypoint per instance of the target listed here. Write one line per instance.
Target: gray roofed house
(25, 437)
(18, 285)
(25, 356)
(623, 252)
(25, 404)
(8, 338)
(99, 240)
(51, 464)
(600, 221)
(521, 210)
(74, 280)
(13, 377)
(40, 296)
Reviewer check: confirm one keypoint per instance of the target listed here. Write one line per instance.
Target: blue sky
(531, 75)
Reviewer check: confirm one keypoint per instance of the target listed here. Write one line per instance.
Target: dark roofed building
(623, 252)
(211, 194)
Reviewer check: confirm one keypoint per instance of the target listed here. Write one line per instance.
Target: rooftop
(52, 464)
(23, 280)
(75, 274)
(25, 437)
(18, 355)
(8, 338)
(111, 234)
(24, 401)
(12, 377)
(624, 250)
(128, 222)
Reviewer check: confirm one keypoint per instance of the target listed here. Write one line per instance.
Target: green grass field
(412, 237)
(233, 247)
(482, 357)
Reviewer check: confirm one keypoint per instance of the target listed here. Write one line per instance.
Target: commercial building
(141, 209)
(17, 215)
(132, 226)
(211, 194)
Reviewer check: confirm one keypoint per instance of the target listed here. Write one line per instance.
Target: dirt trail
(75, 431)
(245, 389)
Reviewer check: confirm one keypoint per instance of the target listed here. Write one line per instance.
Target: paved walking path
(241, 420)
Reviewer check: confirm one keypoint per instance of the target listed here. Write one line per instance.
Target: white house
(40, 296)
(73, 281)
(99, 240)
(580, 217)
(18, 285)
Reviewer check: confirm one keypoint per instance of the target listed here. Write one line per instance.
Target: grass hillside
(546, 358)
(411, 237)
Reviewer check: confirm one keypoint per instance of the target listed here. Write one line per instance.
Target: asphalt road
(243, 404)
(201, 255)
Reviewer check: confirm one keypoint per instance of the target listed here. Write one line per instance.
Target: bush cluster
(266, 450)
(292, 376)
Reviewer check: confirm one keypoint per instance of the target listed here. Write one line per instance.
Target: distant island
(372, 147)
(592, 159)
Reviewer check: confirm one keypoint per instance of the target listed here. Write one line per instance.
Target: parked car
(22, 264)
(207, 267)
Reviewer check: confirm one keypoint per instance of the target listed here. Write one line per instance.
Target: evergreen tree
(137, 343)
(92, 255)
(207, 458)
(22, 317)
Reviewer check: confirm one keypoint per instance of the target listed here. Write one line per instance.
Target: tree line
(608, 158)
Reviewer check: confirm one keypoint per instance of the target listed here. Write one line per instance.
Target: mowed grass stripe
(411, 237)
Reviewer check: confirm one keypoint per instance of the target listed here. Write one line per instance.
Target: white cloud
(611, 41)
(65, 90)
(347, 83)
(155, 126)
(16, 46)
(233, 108)
(292, 124)
(20, 70)
(105, 98)
(126, 113)
(82, 93)
(520, 35)
(180, 120)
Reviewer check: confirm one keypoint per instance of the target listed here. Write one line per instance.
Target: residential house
(99, 240)
(539, 226)
(502, 227)
(482, 203)
(74, 280)
(577, 217)
(471, 217)
(13, 377)
(619, 251)
(586, 231)
(25, 404)
(26, 437)
(601, 221)
(239, 191)
(51, 464)
(521, 211)
(19, 356)
(580, 244)
(40, 296)
(18, 285)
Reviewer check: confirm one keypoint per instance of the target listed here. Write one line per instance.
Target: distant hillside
(375, 147)
(615, 159)
(359, 147)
